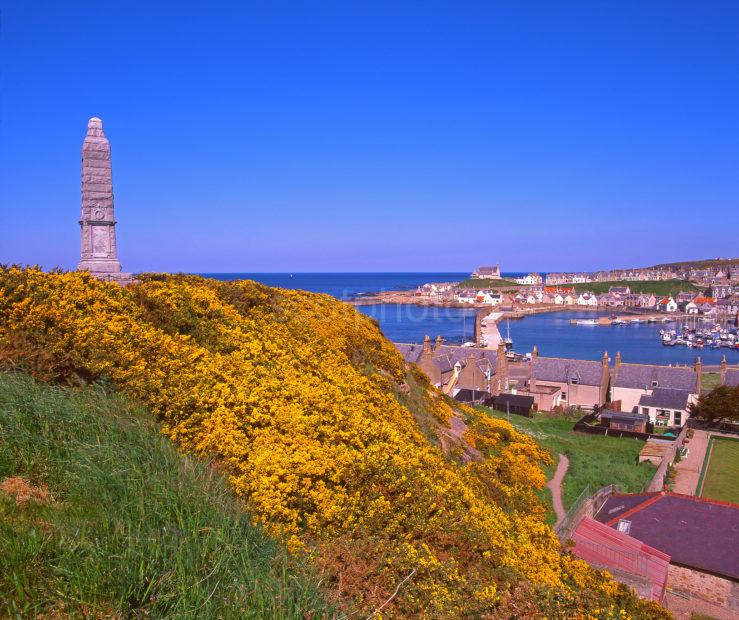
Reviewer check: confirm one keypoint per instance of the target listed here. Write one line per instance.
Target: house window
(574, 380)
(564, 396)
(645, 410)
(678, 418)
(654, 384)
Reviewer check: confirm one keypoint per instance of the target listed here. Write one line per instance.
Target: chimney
(722, 374)
(534, 352)
(501, 367)
(426, 344)
(698, 373)
(605, 379)
(439, 341)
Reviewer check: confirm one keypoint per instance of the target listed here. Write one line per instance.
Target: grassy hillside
(485, 283)
(404, 500)
(701, 264)
(101, 516)
(659, 288)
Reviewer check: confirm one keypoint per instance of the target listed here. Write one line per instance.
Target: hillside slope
(305, 405)
(101, 517)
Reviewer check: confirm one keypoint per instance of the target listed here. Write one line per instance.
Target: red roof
(704, 300)
(602, 546)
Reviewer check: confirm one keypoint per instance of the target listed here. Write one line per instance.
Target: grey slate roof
(410, 352)
(446, 356)
(563, 370)
(641, 376)
(665, 397)
(695, 532)
(731, 377)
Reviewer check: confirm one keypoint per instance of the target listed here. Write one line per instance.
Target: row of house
(706, 275)
(629, 396)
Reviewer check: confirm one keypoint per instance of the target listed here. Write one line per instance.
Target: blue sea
(344, 286)
(552, 333)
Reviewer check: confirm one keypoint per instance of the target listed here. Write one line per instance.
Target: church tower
(98, 254)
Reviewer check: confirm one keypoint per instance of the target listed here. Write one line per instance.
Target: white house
(559, 299)
(587, 299)
(530, 279)
(691, 308)
(667, 304)
(466, 297)
(492, 299)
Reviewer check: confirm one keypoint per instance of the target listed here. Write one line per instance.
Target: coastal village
(668, 540)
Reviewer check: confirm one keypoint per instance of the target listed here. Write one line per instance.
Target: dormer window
(654, 384)
(574, 380)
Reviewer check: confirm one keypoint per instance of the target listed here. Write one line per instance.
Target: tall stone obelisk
(98, 254)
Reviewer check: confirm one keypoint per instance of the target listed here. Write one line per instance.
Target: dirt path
(555, 486)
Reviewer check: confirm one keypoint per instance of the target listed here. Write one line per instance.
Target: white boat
(586, 322)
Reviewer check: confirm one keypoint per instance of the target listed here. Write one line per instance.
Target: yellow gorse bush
(295, 395)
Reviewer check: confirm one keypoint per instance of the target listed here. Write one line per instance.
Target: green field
(485, 283)
(102, 517)
(660, 287)
(721, 470)
(595, 460)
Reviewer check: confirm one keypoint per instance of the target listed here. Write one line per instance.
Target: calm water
(552, 333)
(406, 323)
(344, 285)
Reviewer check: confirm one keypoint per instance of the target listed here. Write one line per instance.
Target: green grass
(721, 470)
(595, 460)
(132, 528)
(710, 380)
(659, 288)
(485, 283)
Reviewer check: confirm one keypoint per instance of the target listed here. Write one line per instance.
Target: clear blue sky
(370, 136)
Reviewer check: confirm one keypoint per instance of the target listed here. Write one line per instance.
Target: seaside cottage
(666, 407)
(633, 381)
(667, 304)
(610, 300)
(587, 299)
(620, 290)
(561, 383)
(640, 300)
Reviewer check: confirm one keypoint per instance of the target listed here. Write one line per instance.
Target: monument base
(119, 278)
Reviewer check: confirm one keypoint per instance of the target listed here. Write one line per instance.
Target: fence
(658, 480)
(585, 506)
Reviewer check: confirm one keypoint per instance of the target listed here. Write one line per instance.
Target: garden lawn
(721, 471)
(595, 460)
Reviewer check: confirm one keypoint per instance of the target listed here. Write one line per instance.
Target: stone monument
(98, 252)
